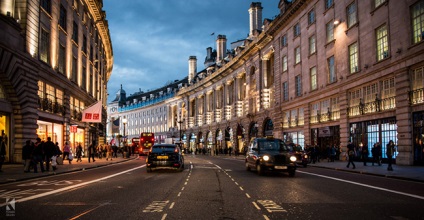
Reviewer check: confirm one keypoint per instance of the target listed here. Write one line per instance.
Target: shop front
(4, 136)
(50, 129)
(77, 137)
(296, 137)
(324, 137)
(418, 134)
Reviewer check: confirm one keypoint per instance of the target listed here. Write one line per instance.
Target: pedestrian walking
(332, 153)
(27, 155)
(2, 152)
(37, 155)
(109, 152)
(66, 151)
(92, 151)
(364, 154)
(351, 154)
(389, 153)
(79, 152)
(49, 151)
(375, 151)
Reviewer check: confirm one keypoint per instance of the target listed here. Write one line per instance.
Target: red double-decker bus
(147, 139)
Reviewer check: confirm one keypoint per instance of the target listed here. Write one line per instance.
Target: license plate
(280, 167)
(162, 157)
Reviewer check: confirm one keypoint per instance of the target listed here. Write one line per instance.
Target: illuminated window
(41, 92)
(382, 43)
(330, 31)
(50, 92)
(351, 15)
(378, 3)
(417, 12)
(284, 63)
(312, 45)
(353, 58)
(297, 55)
(314, 79)
(59, 96)
(370, 92)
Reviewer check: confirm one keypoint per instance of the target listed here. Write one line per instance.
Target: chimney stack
(192, 68)
(255, 14)
(221, 47)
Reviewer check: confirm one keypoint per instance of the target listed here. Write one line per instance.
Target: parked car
(165, 156)
(302, 157)
(270, 154)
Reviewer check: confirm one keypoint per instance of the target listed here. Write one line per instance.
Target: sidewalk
(411, 173)
(15, 172)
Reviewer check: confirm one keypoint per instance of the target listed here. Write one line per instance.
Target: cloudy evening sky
(153, 39)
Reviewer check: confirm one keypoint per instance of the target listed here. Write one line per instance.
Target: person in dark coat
(375, 151)
(2, 152)
(37, 155)
(364, 154)
(351, 154)
(92, 151)
(27, 155)
(49, 152)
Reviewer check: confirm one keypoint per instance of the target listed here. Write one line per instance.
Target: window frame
(382, 43)
(353, 58)
(331, 67)
(351, 16)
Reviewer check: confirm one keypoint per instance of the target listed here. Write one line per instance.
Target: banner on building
(115, 125)
(93, 113)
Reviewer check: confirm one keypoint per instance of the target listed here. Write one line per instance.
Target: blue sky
(153, 39)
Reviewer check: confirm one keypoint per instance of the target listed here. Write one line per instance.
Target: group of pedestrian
(43, 154)
(376, 153)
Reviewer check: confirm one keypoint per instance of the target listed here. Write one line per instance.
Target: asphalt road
(211, 188)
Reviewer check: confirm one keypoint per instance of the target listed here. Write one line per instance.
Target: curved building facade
(320, 73)
(55, 60)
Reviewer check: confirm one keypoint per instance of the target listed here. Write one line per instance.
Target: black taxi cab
(270, 154)
(165, 156)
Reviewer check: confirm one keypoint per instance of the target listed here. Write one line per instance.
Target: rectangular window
(41, 92)
(75, 32)
(328, 4)
(330, 31)
(59, 96)
(353, 58)
(331, 70)
(314, 79)
(378, 3)
(284, 40)
(388, 94)
(84, 78)
(74, 76)
(46, 5)
(62, 59)
(382, 43)
(355, 97)
(311, 17)
(351, 15)
(418, 21)
(370, 93)
(296, 30)
(50, 92)
(90, 84)
(62, 17)
(297, 55)
(418, 78)
(84, 44)
(312, 45)
(285, 91)
(44, 46)
(298, 85)
(284, 63)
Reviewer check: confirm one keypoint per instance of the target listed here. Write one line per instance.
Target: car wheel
(259, 169)
(247, 166)
(292, 173)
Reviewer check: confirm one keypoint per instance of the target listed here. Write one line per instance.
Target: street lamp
(180, 121)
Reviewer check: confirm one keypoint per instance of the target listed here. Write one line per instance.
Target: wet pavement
(15, 172)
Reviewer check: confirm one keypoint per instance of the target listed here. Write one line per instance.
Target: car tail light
(176, 164)
(176, 150)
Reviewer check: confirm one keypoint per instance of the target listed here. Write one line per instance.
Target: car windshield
(273, 145)
(163, 149)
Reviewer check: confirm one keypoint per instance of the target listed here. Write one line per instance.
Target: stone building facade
(55, 60)
(321, 73)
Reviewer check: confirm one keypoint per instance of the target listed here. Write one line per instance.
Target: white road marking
(172, 205)
(365, 185)
(179, 194)
(73, 186)
(256, 205)
(247, 195)
(266, 217)
(241, 188)
(164, 217)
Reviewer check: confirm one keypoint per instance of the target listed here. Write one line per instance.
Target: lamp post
(180, 121)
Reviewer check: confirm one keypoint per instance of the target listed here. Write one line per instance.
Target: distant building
(55, 60)
(320, 73)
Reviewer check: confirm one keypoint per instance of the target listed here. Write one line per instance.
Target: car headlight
(266, 158)
(292, 158)
(305, 156)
